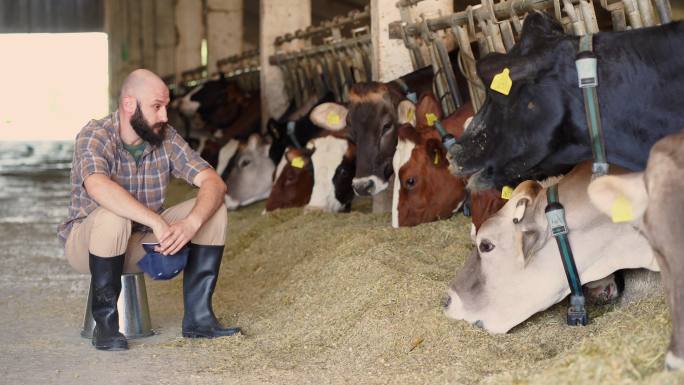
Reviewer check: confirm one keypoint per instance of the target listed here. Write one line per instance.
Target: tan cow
(653, 201)
(516, 269)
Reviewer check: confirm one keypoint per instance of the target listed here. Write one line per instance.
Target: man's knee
(109, 234)
(110, 223)
(213, 231)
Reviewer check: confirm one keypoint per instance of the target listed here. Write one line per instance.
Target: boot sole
(210, 336)
(114, 347)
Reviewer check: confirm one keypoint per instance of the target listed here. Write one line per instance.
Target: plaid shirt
(99, 150)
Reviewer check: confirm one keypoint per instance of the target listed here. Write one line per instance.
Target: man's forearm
(209, 199)
(116, 199)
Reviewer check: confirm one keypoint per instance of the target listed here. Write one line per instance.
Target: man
(120, 172)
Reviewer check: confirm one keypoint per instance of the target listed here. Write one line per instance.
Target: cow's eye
(386, 127)
(244, 163)
(486, 246)
(410, 182)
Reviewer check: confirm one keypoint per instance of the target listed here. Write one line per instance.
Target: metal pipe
(589, 16)
(325, 28)
(646, 11)
(664, 11)
(502, 10)
(632, 13)
(577, 24)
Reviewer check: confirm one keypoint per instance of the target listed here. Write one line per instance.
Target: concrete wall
(390, 57)
(190, 29)
(277, 17)
(224, 30)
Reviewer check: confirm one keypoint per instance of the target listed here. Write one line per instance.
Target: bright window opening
(51, 85)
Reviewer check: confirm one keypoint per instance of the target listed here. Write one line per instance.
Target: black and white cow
(540, 127)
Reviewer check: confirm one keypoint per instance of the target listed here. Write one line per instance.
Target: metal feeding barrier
(495, 27)
(243, 68)
(330, 58)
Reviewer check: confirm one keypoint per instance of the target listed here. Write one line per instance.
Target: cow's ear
(427, 105)
(329, 116)
(538, 29)
(435, 153)
(514, 67)
(406, 112)
(522, 198)
(622, 197)
(528, 243)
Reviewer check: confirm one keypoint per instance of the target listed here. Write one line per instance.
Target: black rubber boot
(105, 284)
(199, 281)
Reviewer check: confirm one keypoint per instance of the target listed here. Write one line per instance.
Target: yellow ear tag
(409, 115)
(621, 211)
(502, 82)
(297, 162)
(333, 118)
(506, 192)
(436, 161)
(431, 119)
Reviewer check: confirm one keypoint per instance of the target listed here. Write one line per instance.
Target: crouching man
(120, 172)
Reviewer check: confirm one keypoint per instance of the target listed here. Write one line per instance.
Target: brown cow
(293, 186)
(653, 202)
(424, 190)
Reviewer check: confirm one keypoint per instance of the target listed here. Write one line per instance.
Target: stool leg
(105, 287)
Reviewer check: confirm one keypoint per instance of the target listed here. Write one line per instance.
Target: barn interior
(322, 297)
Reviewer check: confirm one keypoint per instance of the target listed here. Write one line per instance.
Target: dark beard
(143, 129)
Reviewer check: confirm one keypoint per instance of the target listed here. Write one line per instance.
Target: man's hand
(178, 234)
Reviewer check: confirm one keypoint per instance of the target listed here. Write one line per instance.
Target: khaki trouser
(106, 234)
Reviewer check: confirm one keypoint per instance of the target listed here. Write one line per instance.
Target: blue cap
(160, 266)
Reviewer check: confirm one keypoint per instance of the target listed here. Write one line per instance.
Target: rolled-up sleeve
(185, 162)
(90, 154)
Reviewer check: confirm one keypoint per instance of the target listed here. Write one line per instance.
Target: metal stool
(134, 313)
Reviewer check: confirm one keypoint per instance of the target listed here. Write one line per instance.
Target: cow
(304, 128)
(251, 172)
(334, 160)
(515, 269)
(292, 188)
(652, 201)
(424, 190)
(540, 128)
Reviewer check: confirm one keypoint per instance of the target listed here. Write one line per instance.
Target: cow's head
(334, 160)
(511, 134)
(424, 189)
(516, 270)
(250, 178)
(334, 164)
(375, 110)
(652, 201)
(292, 188)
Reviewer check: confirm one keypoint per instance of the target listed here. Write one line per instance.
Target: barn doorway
(52, 84)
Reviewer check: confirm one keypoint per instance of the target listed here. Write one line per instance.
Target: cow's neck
(639, 92)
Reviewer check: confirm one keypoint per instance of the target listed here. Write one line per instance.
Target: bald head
(140, 83)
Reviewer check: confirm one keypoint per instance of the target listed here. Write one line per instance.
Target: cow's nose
(364, 187)
(446, 301)
(479, 324)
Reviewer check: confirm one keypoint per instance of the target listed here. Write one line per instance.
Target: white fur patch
(202, 143)
(189, 107)
(328, 155)
(225, 154)
(406, 112)
(281, 167)
(401, 156)
(329, 116)
(378, 184)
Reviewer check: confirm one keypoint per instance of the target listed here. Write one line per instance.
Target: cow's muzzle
(363, 187)
(453, 153)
